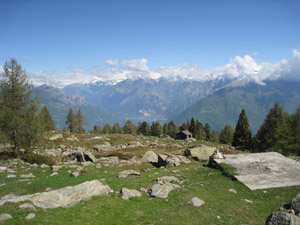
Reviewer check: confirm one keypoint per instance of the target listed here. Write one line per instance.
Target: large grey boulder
(282, 218)
(161, 190)
(4, 217)
(72, 138)
(295, 204)
(64, 197)
(82, 155)
(176, 160)
(127, 173)
(27, 206)
(56, 137)
(150, 157)
(103, 147)
(201, 153)
(130, 193)
(30, 216)
(110, 160)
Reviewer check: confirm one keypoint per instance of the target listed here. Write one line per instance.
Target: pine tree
(242, 135)
(183, 127)
(144, 128)
(215, 136)
(156, 129)
(296, 130)
(207, 132)
(200, 132)
(18, 108)
(79, 122)
(172, 129)
(192, 127)
(116, 129)
(70, 122)
(129, 128)
(106, 128)
(276, 132)
(96, 129)
(45, 119)
(226, 135)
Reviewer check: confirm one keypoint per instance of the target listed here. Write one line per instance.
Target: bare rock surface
(27, 206)
(264, 170)
(82, 155)
(110, 160)
(295, 204)
(201, 153)
(64, 197)
(150, 157)
(4, 217)
(161, 190)
(282, 218)
(196, 202)
(56, 137)
(130, 193)
(30, 216)
(167, 179)
(126, 173)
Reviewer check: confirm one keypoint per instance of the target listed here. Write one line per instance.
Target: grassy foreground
(222, 206)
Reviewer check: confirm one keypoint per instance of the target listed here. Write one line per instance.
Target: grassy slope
(199, 181)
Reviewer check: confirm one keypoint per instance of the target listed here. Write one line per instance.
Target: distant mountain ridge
(224, 106)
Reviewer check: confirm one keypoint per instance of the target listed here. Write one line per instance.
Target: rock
(4, 217)
(56, 137)
(98, 166)
(53, 174)
(83, 155)
(150, 157)
(88, 163)
(55, 168)
(130, 193)
(295, 204)
(3, 168)
(161, 190)
(127, 173)
(165, 136)
(232, 190)
(134, 144)
(30, 175)
(27, 206)
(217, 155)
(44, 166)
(142, 189)
(11, 176)
(110, 160)
(196, 202)
(64, 197)
(30, 216)
(176, 160)
(200, 153)
(282, 218)
(249, 201)
(51, 152)
(72, 138)
(75, 174)
(167, 179)
(106, 146)
(34, 165)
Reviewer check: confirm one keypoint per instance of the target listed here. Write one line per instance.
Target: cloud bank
(239, 68)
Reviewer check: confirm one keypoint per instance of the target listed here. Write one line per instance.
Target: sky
(62, 41)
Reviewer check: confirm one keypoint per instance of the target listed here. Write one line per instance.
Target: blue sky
(65, 37)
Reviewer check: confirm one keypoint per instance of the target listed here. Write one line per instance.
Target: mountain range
(217, 101)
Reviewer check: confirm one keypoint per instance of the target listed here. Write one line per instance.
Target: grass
(210, 185)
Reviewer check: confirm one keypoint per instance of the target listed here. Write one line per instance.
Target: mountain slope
(224, 106)
(146, 99)
(59, 103)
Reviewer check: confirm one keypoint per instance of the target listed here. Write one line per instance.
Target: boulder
(150, 157)
(83, 155)
(64, 197)
(44, 166)
(134, 144)
(27, 206)
(75, 174)
(200, 153)
(103, 147)
(56, 137)
(4, 217)
(176, 160)
(30, 216)
(196, 202)
(282, 218)
(72, 138)
(56, 168)
(167, 179)
(130, 193)
(88, 163)
(127, 173)
(30, 175)
(295, 204)
(161, 190)
(110, 160)
(3, 168)
(51, 152)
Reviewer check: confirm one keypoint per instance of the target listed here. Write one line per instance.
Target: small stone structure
(184, 135)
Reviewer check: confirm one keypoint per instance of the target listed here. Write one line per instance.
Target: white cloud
(239, 68)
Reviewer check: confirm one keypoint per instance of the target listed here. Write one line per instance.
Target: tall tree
(45, 119)
(207, 131)
(226, 135)
(70, 122)
(129, 128)
(156, 129)
(144, 128)
(296, 130)
(18, 108)
(172, 128)
(200, 132)
(96, 129)
(242, 134)
(276, 133)
(79, 122)
(106, 128)
(116, 129)
(192, 127)
(215, 136)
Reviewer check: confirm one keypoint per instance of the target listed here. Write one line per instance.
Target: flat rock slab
(64, 197)
(264, 170)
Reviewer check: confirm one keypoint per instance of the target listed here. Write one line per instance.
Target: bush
(38, 159)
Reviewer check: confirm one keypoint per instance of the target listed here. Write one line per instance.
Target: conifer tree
(18, 108)
(106, 128)
(156, 129)
(226, 135)
(129, 128)
(79, 122)
(70, 122)
(116, 129)
(276, 133)
(45, 119)
(183, 127)
(207, 132)
(242, 135)
(296, 130)
(192, 127)
(215, 136)
(144, 128)
(96, 129)
(200, 132)
(172, 129)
